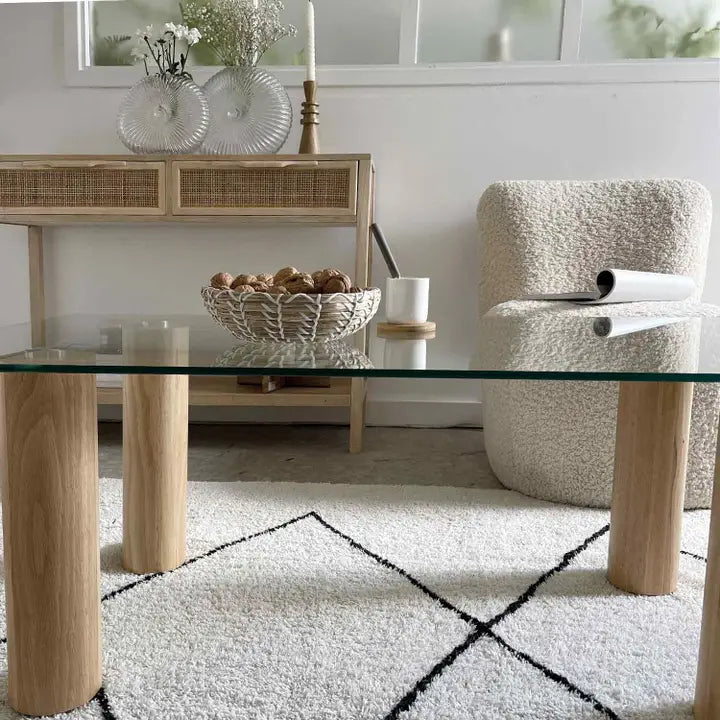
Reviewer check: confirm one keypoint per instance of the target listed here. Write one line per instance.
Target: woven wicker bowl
(291, 318)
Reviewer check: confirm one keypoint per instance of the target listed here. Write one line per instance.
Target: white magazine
(608, 327)
(621, 286)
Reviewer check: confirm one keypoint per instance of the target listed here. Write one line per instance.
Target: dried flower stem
(239, 32)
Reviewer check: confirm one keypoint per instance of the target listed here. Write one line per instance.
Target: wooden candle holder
(310, 120)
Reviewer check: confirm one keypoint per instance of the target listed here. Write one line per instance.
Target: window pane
(626, 29)
(348, 32)
(488, 30)
(114, 25)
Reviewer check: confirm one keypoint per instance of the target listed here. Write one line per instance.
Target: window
(348, 32)
(643, 29)
(429, 42)
(454, 31)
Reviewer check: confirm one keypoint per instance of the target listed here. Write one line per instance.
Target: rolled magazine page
(618, 286)
(607, 327)
(621, 286)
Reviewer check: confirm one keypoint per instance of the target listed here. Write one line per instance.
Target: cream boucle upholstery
(555, 440)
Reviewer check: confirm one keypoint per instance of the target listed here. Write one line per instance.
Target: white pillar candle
(311, 41)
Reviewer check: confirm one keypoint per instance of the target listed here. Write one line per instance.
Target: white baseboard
(419, 413)
(382, 413)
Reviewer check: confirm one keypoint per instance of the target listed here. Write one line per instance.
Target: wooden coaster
(407, 330)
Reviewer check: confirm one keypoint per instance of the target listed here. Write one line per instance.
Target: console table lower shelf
(226, 392)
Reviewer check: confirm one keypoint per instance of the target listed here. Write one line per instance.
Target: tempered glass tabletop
(528, 347)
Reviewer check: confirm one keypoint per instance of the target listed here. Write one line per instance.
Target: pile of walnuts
(289, 280)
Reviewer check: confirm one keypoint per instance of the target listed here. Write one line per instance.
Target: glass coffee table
(49, 466)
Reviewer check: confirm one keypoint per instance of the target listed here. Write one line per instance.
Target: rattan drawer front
(265, 188)
(82, 188)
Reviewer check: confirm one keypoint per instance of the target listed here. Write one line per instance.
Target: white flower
(193, 36)
(146, 33)
(180, 32)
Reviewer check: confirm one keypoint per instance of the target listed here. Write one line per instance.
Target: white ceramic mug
(406, 300)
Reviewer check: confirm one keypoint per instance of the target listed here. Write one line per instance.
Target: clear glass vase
(164, 114)
(250, 112)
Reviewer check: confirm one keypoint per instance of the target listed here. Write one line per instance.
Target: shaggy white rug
(334, 602)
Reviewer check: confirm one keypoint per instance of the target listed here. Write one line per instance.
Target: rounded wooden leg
(653, 427)
(707, 689)
(49, 473)
(358, 395)
(155, 440)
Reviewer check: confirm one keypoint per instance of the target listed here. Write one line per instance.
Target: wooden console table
(334, 190)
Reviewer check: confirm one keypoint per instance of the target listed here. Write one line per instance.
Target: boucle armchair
(555, 440)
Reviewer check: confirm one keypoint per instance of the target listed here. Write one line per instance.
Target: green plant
(113, 50)
(640, 31)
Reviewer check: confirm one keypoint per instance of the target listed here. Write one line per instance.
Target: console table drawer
(79, 187)
(258, 187)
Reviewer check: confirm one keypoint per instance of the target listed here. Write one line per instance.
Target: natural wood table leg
(36, 267)
(358, 400)
(155, 442)
(49, 474)
(707, 689)
(653, 427)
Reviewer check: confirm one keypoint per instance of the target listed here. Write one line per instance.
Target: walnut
(243, 280)
(266, 278)
(260, 287)
(327, 273)
(244, 289)
(318, 280)
(300, 283)
(355, 289)
(221, 280)
(278, 290)
(282, 275)
(337, 284)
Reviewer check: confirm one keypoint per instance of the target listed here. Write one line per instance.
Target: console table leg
(36, 267)
(49, 475)
(653, 427)
(365, 209)
(155, 442)
(358, 393)
(707, 689)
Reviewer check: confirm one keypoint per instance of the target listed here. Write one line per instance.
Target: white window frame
(568, 70)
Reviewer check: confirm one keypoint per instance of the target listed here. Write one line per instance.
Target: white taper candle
(256, 54)
(311, 42)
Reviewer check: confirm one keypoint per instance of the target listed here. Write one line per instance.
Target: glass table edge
(433, 374)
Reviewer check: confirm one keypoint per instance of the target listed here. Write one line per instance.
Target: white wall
(436, 149)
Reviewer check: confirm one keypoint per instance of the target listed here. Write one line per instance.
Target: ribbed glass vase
(250, 112)
(163, 114)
